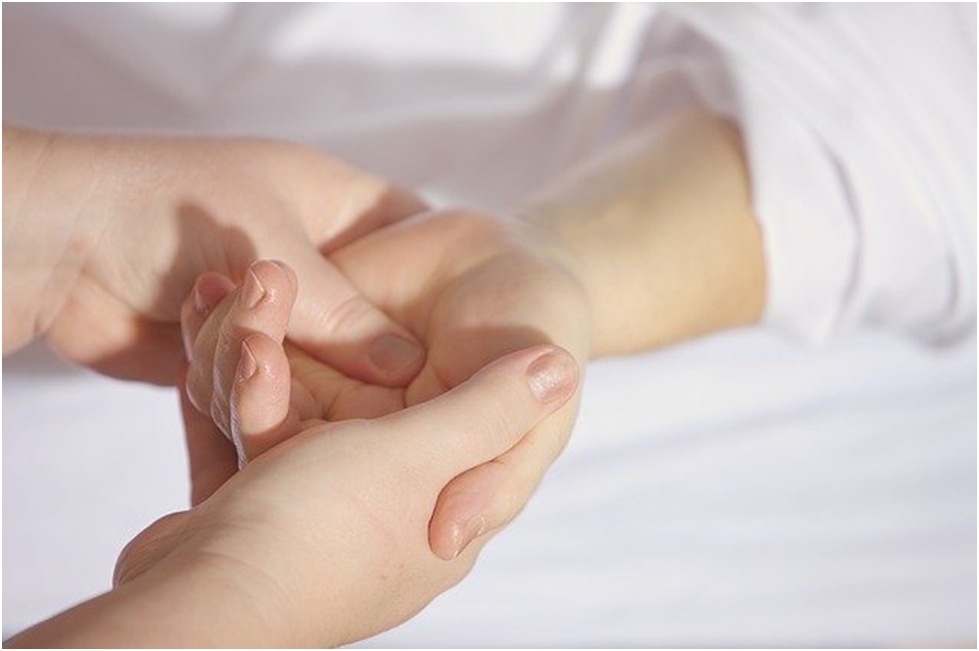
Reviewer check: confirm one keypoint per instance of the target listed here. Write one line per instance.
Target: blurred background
(742, 490)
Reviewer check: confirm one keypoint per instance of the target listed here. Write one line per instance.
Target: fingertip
(553, 376)
(448, 541)
(261, 361)
(260, 397)
(550, 373)
(397, 358)
(460, 515)
(247, 363)
(269, 282)
(208, 291)
(290, 273)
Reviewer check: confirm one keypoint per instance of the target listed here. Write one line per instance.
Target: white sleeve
(859, 124)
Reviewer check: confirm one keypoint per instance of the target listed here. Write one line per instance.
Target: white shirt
(736, 490)
(859, 120)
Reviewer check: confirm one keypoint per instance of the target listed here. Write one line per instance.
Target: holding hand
(472, 288)
(323, 539)
(104, 237)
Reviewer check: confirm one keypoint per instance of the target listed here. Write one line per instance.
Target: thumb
(485, 416)
(334, 322)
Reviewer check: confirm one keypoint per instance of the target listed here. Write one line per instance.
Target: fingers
(262, 414)
(261, 305)
(212, 457)
(487, 415)
(201, 318)
(208, 292)
(335, 323)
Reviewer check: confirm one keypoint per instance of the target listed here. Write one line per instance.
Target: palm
(468, 286)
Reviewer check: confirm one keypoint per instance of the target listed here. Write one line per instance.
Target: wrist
(549, 240)
(236, 585)
(660, 233)
(572, 239)
(184, 601)
(47, 231)
(222, 601)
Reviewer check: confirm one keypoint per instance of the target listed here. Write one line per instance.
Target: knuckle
(509, 504)
(460, 569)
(417, 471)
(509, 494)
(345, 314)
(498, 424)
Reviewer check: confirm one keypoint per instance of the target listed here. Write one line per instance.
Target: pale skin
(653, 245)
(104, 236)
(322, 540)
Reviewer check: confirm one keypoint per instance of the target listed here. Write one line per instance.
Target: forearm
(176, 604)
(660, 234)
(46, 182)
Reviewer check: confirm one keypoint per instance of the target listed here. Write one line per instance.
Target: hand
(104, 237)
(326, 534)
(472, 288)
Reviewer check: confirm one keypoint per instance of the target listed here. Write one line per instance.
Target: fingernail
(392, 353)
(468, 532)
(253, 291)
(208, 292)
(201, 304)
(288, 270)
(248, 365)
(552, 376)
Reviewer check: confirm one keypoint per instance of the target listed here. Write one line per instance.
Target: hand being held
(471, 287)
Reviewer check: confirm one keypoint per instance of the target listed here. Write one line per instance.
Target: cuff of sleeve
(809, 232)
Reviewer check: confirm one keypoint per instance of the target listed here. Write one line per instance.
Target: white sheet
(741, 490)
